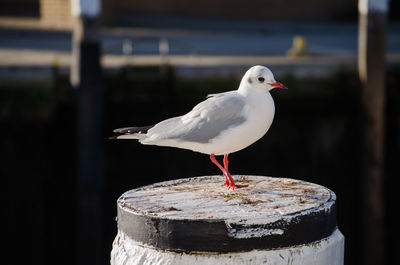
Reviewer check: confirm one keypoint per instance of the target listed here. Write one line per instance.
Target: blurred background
(150, 60)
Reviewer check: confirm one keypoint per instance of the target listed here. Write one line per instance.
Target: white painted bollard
(197, 221)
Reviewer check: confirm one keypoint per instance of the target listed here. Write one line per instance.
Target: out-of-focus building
(56, 13)
(19, 8)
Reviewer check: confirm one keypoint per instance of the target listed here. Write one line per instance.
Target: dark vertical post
(86, 77)
(371, 65)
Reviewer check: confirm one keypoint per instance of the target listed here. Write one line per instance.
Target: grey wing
(205, 122)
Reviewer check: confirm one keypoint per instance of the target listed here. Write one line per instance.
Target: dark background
(316, 136)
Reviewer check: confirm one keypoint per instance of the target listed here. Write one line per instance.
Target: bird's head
(260, 78)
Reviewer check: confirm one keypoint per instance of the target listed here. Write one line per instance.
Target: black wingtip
(132, 130)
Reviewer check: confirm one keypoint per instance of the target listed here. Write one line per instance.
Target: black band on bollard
(199, 214)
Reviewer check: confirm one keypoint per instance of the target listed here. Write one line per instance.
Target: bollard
(198, 221)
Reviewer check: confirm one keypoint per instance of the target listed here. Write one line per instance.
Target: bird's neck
(245, 90)
(244, 83)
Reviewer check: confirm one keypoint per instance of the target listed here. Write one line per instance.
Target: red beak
(278, 85)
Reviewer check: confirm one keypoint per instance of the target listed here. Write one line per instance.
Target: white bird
(222, 124)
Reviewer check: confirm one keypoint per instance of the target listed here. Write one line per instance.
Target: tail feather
(131, 132)
(136, 136)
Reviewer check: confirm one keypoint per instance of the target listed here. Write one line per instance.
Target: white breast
(259, 113)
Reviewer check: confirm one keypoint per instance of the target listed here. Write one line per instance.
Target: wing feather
(204, 122)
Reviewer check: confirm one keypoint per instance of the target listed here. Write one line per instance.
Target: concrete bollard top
(200, 214)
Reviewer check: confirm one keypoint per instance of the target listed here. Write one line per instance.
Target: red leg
(229, 183)
(214, 160)
(226, 162)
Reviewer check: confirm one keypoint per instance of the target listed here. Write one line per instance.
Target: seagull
(222, 124)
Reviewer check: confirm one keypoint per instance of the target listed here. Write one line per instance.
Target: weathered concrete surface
(272, 217)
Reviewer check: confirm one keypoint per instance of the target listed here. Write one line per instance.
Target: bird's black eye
(261, 79)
